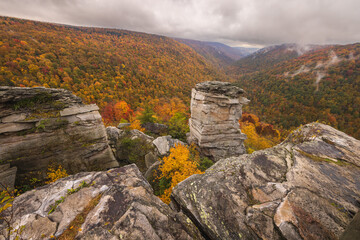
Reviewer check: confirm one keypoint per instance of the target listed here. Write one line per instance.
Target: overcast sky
(233, 22)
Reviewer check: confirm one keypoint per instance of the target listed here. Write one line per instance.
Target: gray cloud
(235, 22)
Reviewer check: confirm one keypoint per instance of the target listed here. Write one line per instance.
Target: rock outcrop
(133, 146)
(117, 204)
(44, 126)
(216, 108)
(308, 187)
(130, 146)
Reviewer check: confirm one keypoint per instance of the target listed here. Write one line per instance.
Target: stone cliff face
(216, 108)
(308, 187)
(42, 126)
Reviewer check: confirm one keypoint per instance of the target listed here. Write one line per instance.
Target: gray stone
(138, 134)
(14, 127)
(155, 128)
(74, 110)
(58, 129)
(150, 159)
(164, 143)
(304, 188)
(126, 209)
(113, 135)
(216, 108)
(7, 176)
(219, 88)
(123, 125)
(14, 118)
(39, 228)
(151, 173)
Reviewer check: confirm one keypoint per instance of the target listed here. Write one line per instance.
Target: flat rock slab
(79, 109)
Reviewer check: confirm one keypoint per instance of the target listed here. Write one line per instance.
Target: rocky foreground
(308, 187)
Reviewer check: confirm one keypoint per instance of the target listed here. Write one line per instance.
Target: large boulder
(216, 108)
(117, 204)
(44, 126)
(308, 187)
(165, 143)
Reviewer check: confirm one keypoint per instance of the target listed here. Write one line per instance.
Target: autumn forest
(136, 77)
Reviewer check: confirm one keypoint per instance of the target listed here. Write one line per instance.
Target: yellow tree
(177, 166)
(122, 110)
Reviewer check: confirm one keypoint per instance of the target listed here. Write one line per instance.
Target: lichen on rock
(295, 190)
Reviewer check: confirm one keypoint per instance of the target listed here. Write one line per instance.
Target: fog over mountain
(233, 22)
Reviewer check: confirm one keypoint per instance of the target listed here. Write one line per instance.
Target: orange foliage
(122, 111)
(259, 135)
(166, 109)
(102, 66)
(137, 125)
(177, 166)
(55, 174)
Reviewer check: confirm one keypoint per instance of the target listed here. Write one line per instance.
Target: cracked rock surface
(126, 209)
(307, 187)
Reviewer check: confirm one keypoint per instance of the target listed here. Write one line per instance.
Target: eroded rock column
(216, 108)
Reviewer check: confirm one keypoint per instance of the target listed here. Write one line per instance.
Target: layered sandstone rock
(117, 204)
(216, 108)
(42, 126)
(307, 187)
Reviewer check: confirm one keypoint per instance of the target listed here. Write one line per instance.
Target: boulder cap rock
(220, 88)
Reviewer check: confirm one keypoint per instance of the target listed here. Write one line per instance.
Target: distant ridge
(218, 54)
(267, 57)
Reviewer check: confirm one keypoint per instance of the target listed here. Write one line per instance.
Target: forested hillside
(268, 57)
(322, 85)
(218, 54)
(103, 66)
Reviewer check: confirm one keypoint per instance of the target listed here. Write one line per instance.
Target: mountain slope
(99, 65)
(319, 85)
(266, 58)
(218, 54)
